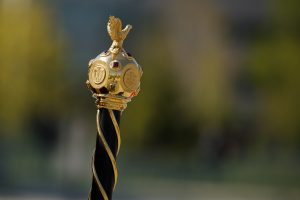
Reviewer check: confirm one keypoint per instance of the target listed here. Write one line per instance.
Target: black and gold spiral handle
(114, 79)
(105, 173)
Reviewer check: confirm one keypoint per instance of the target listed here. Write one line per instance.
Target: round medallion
(131, 79)
(97, 75)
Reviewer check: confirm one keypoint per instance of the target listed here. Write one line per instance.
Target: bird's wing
(114, 27)
(125, 31)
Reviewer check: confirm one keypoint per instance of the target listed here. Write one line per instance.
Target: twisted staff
(104, 169)
(114, 79)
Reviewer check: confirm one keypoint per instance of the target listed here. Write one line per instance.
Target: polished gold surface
(114, 75)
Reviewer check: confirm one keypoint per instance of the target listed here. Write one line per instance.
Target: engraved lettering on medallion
(131, 79)
(98, 75)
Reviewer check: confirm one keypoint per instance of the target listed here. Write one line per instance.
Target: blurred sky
(217, 116)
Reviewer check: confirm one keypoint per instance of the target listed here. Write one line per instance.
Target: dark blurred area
(218, 113)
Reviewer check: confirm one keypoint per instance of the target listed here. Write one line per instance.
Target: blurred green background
(217, 118)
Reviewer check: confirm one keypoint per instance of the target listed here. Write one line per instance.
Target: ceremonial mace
(113, 78)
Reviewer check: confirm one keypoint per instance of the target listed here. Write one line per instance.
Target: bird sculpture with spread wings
(114, 29)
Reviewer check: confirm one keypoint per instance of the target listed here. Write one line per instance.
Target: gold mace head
(114, 75)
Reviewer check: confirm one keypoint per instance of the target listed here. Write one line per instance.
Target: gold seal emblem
(131, 79)
(97, 75)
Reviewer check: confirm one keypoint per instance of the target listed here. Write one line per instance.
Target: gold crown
(114, 75)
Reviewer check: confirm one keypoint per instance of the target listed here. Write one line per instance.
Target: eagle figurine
(114, 29)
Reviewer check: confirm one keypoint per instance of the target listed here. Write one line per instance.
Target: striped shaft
(108, 142)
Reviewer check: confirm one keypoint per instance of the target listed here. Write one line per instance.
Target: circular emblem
(97, 75)
(131, 79)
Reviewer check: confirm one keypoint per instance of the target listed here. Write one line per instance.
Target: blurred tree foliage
(160, 118)
(32, 75)
(274, 70)
(186, 86)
